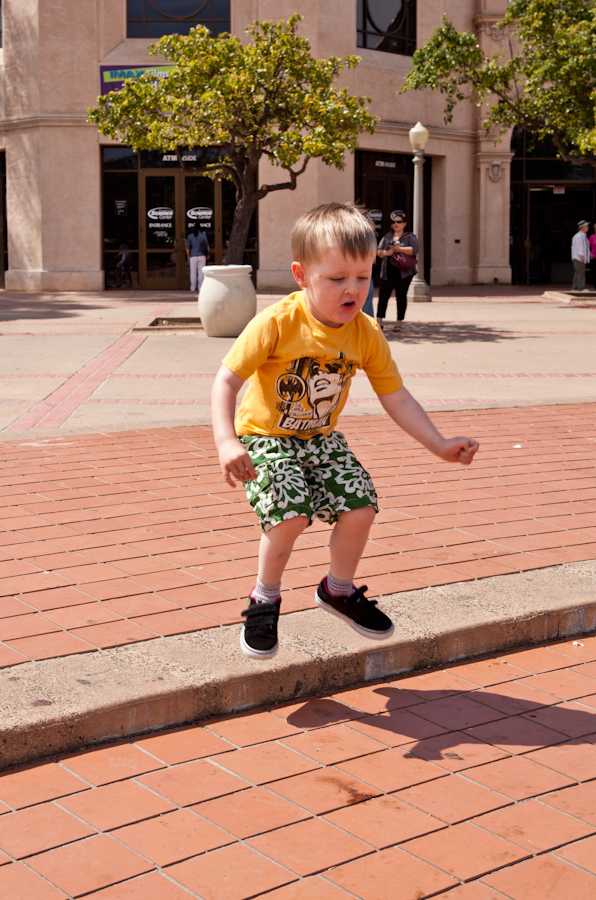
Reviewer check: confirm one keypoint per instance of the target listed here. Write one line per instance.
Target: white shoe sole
(256, 654)
(365, 632)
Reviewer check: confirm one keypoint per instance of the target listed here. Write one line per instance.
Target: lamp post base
(419, 291)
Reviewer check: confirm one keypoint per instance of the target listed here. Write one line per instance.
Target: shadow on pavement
(444, 333)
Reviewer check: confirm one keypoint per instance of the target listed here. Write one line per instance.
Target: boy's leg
(258, 639)
(336, 593)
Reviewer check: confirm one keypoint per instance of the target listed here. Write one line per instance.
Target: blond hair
(333, 226)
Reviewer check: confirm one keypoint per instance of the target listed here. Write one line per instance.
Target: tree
(266, 99)
(545, 80)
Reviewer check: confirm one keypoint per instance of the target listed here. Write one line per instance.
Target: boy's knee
(363, 517)
(293, 526)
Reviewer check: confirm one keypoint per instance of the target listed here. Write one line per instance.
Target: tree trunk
(245, 207)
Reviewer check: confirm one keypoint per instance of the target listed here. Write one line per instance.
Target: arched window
(154, 18)
(387, 25)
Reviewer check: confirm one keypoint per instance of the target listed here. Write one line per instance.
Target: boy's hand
(459, 450)
(235, 462)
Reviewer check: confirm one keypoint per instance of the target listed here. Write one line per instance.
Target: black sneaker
(358, 611)
(258, 638)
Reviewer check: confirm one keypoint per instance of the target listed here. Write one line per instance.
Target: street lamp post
(419, 289)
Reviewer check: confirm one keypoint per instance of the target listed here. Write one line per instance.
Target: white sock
(265, 593)
(339, 588)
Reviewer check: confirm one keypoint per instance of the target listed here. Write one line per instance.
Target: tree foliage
(543, 76)
(268, 98)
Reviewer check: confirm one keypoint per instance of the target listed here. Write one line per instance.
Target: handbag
(403, 261)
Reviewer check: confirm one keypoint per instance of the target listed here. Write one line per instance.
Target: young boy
(300, 355)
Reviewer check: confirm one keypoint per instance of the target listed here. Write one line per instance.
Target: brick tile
(92, 613)
(457, 713)
(465, 851)
(172, 837)
(543, 878)
(453, 799)
(573, 719)
(196, 595)
(384, 821)
(516, 734)
(25, 626)
(178, 621)
(115, 634)
(230, 873)
(192, 782)
(10, 657)
(113, 763)
(309, 847)
(323, 790)
(38, 784)
(487, 672)
(56, 598)
(313, 888)
(514, 698)
(578, 801)
(534, 826)
(10, 606)
(229, 613)
(148, 887)
(315, 713)
(40, 581)
(39, 828)
(538, 659)
(474, 890)
(263, 763)
(455, 751)
(114, 805)
(416, 879)
(19, 883)
(519, 777)
(376, 698)
(251, 812)
(399, 726)
(139, 606)
(566, 684)
(89, 865)
(582, 853)
(163, 581)
(183, 744)
(576, 759)
(109, 590)
(581, 648)
(435, 685)
(333, 744)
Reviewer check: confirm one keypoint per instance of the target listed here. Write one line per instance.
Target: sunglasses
(399, 221)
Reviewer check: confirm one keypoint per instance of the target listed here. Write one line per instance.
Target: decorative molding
(45, 120)
(495, 170)
(489, 24)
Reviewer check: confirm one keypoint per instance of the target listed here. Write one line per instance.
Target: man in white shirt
(580, 255)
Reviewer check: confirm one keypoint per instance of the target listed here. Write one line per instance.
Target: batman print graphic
(310, 390)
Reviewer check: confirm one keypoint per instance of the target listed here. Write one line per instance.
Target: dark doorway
(384, 183)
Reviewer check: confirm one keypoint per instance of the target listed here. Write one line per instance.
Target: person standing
(396, 272)
(197, 254)
(580, 255)
(592, 243)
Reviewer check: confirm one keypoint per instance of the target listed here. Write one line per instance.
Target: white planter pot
(227, 300)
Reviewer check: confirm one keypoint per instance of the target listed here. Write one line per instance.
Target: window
(387, 25)
(155, 18)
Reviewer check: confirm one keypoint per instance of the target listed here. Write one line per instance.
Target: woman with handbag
(398, 250)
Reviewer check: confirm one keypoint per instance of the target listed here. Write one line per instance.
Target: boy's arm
(409, 415)
(233, 458)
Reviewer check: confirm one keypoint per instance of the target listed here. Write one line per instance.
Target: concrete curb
(66, 704)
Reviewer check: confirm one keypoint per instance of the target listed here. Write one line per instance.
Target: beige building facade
(78, 206)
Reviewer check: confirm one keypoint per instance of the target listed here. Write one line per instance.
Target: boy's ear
(299, 274)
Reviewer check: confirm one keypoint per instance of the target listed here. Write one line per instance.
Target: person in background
(197, 254)
(368, 303)
(580, 255)
(394, 278)
(592, 243)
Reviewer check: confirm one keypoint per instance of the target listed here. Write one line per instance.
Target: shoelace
(358, 596)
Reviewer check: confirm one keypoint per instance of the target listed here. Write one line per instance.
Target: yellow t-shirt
(300, 370)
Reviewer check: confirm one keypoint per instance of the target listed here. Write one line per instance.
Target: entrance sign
(121, 207)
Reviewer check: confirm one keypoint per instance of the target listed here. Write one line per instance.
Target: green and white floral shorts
(319, 478)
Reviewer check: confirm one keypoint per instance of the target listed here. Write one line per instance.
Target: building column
(492, 217)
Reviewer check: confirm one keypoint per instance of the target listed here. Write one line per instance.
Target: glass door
(162, 240)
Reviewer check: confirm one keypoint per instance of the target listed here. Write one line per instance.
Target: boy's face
(335, 286)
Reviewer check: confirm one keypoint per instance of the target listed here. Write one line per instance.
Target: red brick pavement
(111, 539)
(474, 782)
